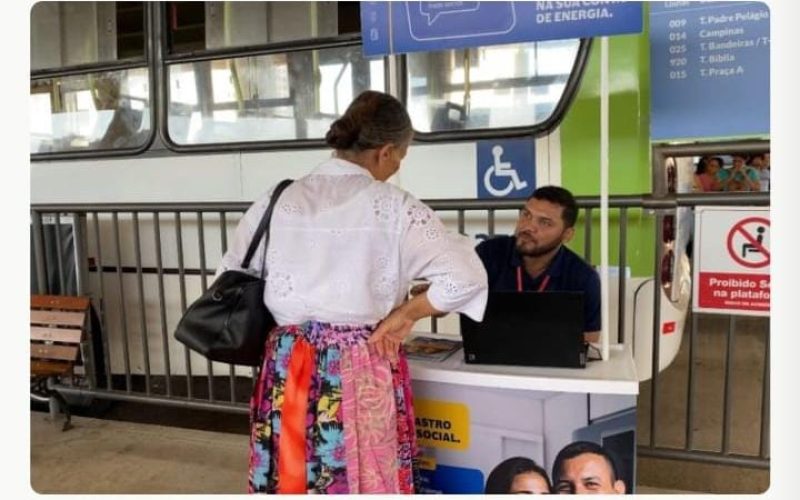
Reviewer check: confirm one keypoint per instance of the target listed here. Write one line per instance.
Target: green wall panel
(629, 147)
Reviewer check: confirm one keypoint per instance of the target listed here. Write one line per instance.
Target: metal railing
(140, 288)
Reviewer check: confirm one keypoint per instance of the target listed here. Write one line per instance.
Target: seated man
(535, 259)
(584, 467)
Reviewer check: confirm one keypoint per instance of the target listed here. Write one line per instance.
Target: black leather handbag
(229, 322)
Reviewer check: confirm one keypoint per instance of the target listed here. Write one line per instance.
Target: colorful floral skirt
(329, 415)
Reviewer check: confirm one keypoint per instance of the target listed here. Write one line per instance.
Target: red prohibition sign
(753, 244)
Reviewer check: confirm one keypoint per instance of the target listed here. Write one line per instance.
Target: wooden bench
(58, 326)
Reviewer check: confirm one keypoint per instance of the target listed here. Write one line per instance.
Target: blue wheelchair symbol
(506, 168)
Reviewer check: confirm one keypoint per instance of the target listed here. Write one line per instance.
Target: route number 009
(677, 23)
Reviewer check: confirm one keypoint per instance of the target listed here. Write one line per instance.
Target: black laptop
(527, 329)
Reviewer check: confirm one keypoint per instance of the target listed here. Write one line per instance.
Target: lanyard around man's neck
(542, 285)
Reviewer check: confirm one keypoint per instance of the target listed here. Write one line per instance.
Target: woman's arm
(391, 332)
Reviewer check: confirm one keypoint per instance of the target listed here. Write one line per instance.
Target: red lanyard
(542, 286)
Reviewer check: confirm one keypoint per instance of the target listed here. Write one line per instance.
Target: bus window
(287, 71)
(197, 26)
(502, 86)
(65, 34)
(90, 86)
(285, 96)
(96, 111)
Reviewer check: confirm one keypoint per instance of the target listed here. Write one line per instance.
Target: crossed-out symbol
(753, 244)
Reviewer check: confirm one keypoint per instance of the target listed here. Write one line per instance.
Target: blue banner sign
(506, 168)
(709, 69)
(399, 27)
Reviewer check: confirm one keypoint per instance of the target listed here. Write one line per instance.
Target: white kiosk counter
(469, 418)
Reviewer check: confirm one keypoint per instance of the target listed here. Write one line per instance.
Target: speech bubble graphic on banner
(433, 10)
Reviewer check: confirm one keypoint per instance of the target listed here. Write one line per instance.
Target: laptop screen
(527, 329)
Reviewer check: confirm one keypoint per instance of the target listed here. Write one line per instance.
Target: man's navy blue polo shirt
(567, 272)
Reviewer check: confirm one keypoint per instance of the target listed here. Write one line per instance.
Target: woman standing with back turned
(331, 411)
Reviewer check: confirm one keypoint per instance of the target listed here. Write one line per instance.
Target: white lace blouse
(344, 248)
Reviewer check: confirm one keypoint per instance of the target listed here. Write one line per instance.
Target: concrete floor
(108, 456)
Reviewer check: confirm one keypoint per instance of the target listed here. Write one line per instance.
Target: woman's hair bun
(343, 133)
(370, 121)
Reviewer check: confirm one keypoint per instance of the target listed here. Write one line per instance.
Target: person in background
(760, 162)
(745, 178)
(584, 467)
(331, 408)
(735, 185)
(535, 258)
(124, 130)
(705, 175)
(518, 475)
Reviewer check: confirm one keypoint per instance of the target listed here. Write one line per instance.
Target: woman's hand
(391, 332)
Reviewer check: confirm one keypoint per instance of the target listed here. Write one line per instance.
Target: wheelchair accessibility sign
(506, 168)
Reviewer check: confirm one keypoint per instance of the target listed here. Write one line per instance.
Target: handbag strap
(263, 227)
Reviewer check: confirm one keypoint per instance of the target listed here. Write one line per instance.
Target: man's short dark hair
(502, 476)
(562, 197)
(572, 450)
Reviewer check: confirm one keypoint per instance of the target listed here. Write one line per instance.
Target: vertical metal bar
(123, 317)
(728, 401)
(161, 302)
(102, 312)
(204, 284)
(38, 253)
(764, 449)
(62, 287)
(656, 344)
(223, 228)
(81, 260)
(587, 235)
(691, 385)
(202, 249)
(82, 289)
(490, 223)
(623, 275)
(461, 222)
(137, 247)
(182, 283)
